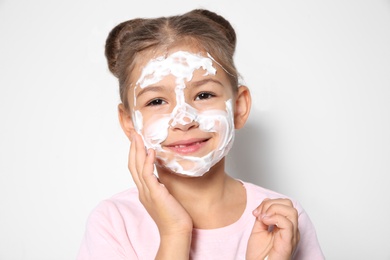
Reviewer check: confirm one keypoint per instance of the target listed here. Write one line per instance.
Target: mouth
(187, 146)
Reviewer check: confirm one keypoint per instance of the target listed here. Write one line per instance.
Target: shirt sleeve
(106, 235)
(308, 246)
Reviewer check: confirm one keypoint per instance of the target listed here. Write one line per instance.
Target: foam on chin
(182, 65)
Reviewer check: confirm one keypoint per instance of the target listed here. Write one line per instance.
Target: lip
(187, 146)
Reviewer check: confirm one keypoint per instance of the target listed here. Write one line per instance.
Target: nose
(185, 126)
(184, 119)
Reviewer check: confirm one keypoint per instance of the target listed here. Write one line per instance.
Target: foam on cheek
(218, 121)
(156, 132)
(182, 66)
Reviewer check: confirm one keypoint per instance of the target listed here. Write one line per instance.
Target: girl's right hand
(171, 218)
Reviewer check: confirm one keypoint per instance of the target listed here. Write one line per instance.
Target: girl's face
(182, 106)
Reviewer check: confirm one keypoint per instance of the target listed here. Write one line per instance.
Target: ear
(125, 120)
(242, 106)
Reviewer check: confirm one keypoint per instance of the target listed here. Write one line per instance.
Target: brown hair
(205, 29)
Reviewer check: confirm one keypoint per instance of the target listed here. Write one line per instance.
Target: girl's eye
(204, 95)
(156, 102)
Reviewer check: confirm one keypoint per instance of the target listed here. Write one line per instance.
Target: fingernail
(263, 216)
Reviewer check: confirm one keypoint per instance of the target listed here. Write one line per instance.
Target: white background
(319, 130)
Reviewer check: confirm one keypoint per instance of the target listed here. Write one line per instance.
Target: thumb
(259, 225)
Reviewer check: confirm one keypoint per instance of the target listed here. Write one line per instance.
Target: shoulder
(119, 215)
(125, 198)
(123, 205)
(256, 194)
(263, 191)
(115, 228)
(259, 192)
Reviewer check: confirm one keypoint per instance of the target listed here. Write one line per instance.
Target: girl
(181, 103)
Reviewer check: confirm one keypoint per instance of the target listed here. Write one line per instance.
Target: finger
(257, 211)
(150, 179)
(286, 211)
(269, 202)
(281, 206)
(286, 237)
(284, 227)
(285, 219)
(279, 221)
(259, 225)
(148, 169)
(140, 156)
(271, 207)
(131, 165)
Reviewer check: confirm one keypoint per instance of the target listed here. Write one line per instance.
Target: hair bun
(117, 36)
(223, 24)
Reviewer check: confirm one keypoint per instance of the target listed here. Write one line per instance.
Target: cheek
(155, 131)
(219, 121)
(214, 121)
(218, 124)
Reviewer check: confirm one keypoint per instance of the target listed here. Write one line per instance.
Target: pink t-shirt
(121, 228)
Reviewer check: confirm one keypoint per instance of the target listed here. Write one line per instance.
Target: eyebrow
(149, 88)
(205, 81)
(193, 84)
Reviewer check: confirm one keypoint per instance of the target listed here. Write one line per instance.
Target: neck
(214, 193)
(208, 188)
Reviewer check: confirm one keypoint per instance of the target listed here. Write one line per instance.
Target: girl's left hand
(275, 233)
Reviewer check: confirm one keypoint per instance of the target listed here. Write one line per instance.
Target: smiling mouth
(187, 147)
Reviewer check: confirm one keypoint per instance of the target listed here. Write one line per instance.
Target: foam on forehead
(180, 64)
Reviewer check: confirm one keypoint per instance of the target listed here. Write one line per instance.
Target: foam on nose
(183, 115)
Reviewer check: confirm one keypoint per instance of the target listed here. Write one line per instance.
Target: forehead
(181, 64)
(147, 63)
(178, 62)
